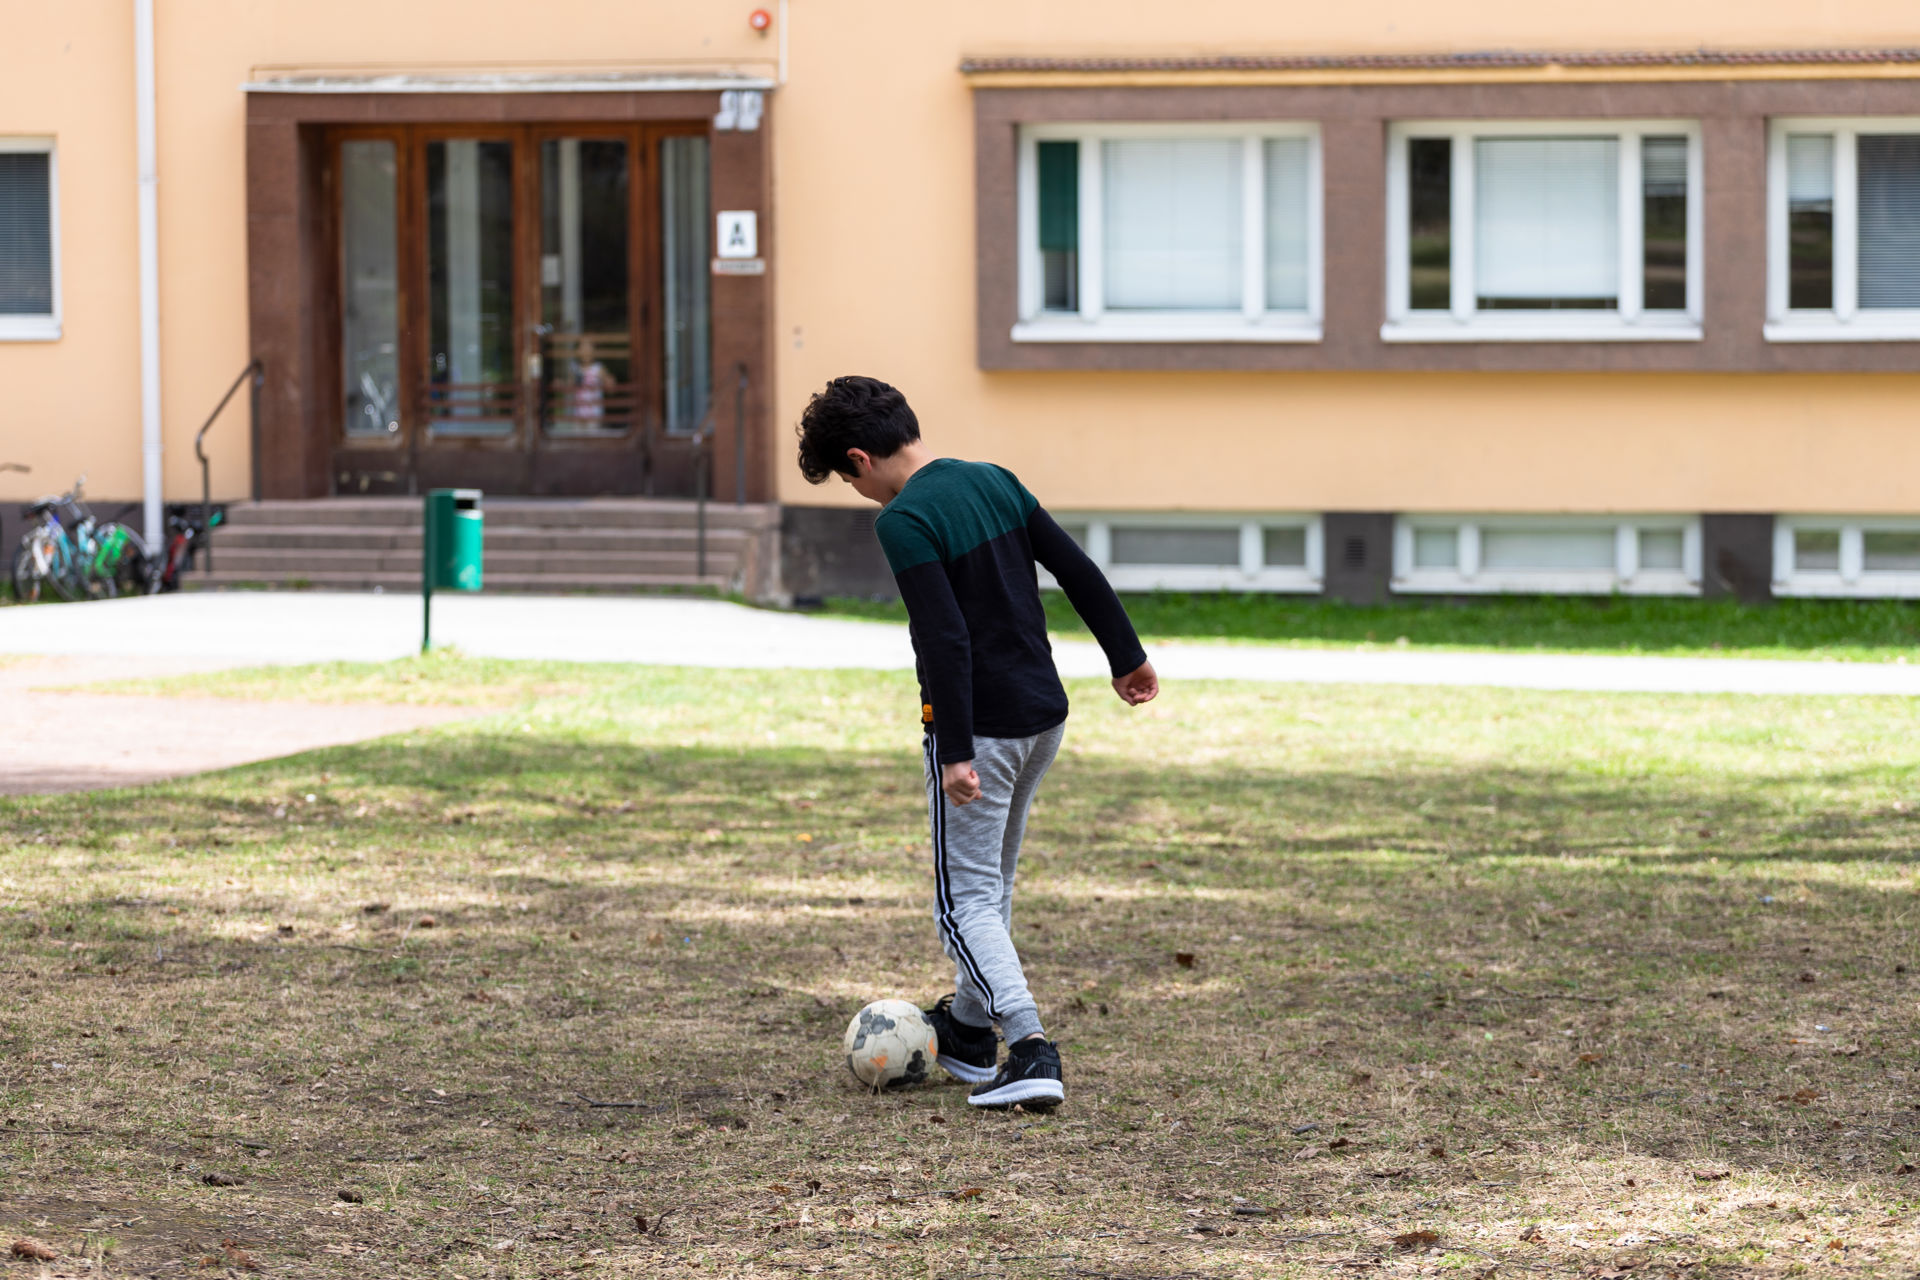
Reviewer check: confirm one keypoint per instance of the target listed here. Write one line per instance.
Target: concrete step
(327, 537)
(515, 583)
(307, 561)
(546, 513)
(531, 544)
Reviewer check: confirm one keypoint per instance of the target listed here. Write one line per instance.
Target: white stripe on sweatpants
(976, 851)
(950, 940)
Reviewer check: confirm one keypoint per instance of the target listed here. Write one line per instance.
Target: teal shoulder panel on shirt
(1027, 501)
(905, 538)
(948, 508)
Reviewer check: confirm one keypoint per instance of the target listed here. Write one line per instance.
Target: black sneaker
(1030, 1076)
(968, 1053)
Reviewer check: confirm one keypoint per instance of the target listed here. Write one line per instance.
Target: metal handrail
(740, 438)
(702, 442)
(258, 372)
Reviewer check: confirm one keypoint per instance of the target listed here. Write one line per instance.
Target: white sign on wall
(738, 234)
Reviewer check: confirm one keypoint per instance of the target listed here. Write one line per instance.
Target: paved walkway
(297, 627)
(55, 739)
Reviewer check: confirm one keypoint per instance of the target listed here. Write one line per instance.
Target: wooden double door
(519, 308)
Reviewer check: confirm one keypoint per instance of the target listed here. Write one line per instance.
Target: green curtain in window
(1059, 196)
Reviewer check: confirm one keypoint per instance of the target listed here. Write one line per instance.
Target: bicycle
(185, 536)
(72, 555)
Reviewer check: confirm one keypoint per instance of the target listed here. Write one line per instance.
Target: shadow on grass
(520, 786)
(1571, 976)
(1643, 890)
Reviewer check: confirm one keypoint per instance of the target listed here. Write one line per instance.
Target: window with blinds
(1510, 230)
(1547, 223)
(1843, 229)
(27, 288)
(1174, 232)
(1889, 212)
(1289, 214)
(1173, 236)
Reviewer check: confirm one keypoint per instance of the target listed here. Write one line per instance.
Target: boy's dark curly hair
(853, 413)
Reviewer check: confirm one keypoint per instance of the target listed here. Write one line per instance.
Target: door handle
(540, 333)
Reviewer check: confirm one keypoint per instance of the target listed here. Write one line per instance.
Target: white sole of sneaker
(966, 1071)
(1048, 1091)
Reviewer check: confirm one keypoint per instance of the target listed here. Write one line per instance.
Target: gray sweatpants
(976, 851)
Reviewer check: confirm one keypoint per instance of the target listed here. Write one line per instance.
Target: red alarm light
(760, 20)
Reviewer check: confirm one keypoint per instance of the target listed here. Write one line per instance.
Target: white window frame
(1626, 577)
(1253, 322)
(40, 328)
(1852, 579)
(1462, 322)
(1253, 573)
(1845, 322)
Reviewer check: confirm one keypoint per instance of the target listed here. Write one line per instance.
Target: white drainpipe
(149, 274)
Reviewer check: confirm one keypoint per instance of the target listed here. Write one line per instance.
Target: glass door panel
(685, 276)
(370, 289)
(586, 312)
(472, 372)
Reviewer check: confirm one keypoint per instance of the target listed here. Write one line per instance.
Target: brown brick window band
(1492, 58)
(1353, 119)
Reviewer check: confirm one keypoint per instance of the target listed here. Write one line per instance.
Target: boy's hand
(1138, 686)
(960, 782)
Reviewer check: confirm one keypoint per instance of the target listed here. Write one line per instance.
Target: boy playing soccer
(962, 539)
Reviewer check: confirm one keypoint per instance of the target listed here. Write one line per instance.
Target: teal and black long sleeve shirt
(962, 539)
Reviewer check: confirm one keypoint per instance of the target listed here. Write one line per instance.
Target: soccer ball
(890, 1044)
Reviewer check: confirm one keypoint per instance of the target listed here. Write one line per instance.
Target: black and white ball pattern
(890, 1045)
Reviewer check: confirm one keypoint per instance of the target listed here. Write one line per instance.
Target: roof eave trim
(507, 84)
(1492, 60)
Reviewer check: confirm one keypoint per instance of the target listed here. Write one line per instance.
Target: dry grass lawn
(1481, 982)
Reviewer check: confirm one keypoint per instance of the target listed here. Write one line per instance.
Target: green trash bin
(450, 549)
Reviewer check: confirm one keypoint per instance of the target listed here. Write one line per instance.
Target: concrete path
(78, 741)
(298, 627)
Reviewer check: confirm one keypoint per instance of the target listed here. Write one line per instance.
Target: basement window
(1846, 556)
(1554, 555)
(1151, 552)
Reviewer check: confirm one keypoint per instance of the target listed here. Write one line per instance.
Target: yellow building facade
(1361, 299)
